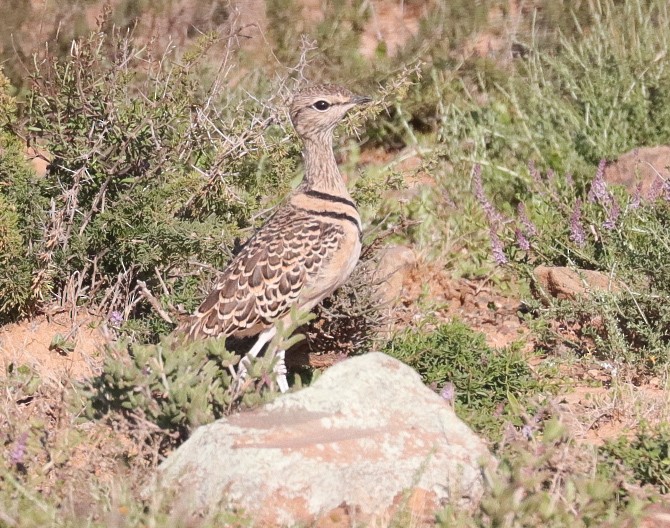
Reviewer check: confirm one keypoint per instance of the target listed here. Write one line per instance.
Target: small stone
(569, 283)
(393, 267)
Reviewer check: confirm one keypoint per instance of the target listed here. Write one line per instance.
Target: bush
(145, 179)
(16, 271)
(644, 459)
(175, 387)
(21, 213)
(546, 481)
(489, 387)
(179, 386)
(623, 237)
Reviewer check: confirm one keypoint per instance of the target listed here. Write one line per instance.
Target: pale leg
(280, 370)
(263, 338)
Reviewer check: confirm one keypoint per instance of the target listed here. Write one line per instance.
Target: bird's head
(317, 109)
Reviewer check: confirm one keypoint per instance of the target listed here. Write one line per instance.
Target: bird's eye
(321, 105)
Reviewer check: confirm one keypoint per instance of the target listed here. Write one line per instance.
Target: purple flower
(521, 240)
(534, 173)
(598, 192)
(525, 221)
(448, 392)
(492, 216)
(497, 248)
(115, 319)
(568, 180)
(637, 197)
(613, 212)
(655, 190)
(577, 234)
(550, 176)
(527, 432)
(18, 452)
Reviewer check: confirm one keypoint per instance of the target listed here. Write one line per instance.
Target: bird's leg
(280, 370)
(263, 338)
(280, 366)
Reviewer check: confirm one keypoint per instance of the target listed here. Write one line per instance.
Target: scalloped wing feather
(267, 277)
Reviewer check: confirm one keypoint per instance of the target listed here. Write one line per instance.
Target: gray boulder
(365, 440)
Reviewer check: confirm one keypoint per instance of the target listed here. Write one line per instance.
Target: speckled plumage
(277, 268)
(309, 246)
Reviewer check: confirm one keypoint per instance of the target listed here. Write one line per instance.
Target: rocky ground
(110, 452)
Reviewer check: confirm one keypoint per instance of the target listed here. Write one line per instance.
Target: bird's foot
(241, 374)
(245, 363)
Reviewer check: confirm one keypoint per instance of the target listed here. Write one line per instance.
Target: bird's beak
(361, 99)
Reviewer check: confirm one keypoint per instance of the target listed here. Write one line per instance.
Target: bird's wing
(266, 278)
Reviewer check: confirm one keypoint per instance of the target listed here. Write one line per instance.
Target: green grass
(490, 388)
(644, 459)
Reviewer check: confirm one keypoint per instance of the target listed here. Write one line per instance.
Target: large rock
(365, 439)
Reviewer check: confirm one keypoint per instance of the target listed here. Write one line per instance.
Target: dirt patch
(641, 170)
(475, 302)
(30, 343)
(599, 405)
(598, 414)
(65, 458)
(392, 25)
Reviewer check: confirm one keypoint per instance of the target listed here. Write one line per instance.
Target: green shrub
(21, 213)
(16, 293)
(644, 458)
(606, 230)
(176, 387)
(179, 386)
(546, 481)
(488, 386)
(146, 176)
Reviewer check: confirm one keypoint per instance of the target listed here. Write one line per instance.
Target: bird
(303, 252)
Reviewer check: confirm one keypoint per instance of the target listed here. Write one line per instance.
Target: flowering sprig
(535, 174)
(577, 234)
(528, 226)
(521, 240)
(637, 197)
(18, 452)
(497, 248)
(599, 193)
(613, 213)
(493, 217)
(448, 392)
(655, 190)
(115, 319)
(526, 229)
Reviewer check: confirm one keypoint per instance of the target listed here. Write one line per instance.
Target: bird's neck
(321, 171)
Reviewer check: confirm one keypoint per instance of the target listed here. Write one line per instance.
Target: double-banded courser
(306, 250)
